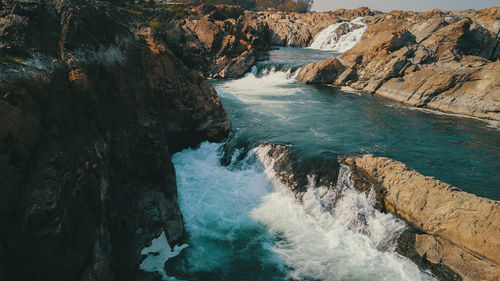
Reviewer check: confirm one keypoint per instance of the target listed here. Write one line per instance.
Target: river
(244, 225)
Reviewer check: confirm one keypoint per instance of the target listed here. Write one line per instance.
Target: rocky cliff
(91, 109)
(440, 60)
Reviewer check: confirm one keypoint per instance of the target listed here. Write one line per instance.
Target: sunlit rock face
(458, 230)
(440, 60)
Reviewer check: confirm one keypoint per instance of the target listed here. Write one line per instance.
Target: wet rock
(297, 172)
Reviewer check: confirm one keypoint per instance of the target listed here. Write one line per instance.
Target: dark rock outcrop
(91, 110)
(296, 171)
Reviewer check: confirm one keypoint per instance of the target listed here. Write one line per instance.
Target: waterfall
(333, 233)
(340, 36)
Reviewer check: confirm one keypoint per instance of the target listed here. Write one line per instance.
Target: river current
(243, 224)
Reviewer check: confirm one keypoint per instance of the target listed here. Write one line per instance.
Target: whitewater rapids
(244, 224)
(327, 39)
(242, 210)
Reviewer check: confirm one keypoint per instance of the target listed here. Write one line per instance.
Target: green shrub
(157, 25)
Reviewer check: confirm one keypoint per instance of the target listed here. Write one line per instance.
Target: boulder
(323, 72)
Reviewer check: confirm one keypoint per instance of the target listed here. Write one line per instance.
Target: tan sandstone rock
(462, 231)
(321, 72)
(441, 60)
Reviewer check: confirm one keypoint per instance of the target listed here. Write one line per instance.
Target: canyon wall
(91, 109)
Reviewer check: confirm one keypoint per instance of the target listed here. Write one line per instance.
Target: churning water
(331, 39)
(243, 224)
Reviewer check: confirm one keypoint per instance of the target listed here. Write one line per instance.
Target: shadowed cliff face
(90, 112)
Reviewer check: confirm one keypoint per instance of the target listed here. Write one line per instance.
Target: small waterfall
(340, 37)
(333, 232)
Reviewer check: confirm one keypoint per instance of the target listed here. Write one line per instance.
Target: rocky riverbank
(225, 42)
(440, 60)
(456, 230)
(95, 98)
(91, 109)
(452, 233)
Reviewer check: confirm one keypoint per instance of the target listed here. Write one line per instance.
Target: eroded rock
(89, 119)
(460, 229)
(441, 60)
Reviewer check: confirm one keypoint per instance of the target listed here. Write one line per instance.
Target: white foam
(327, 38)
(349, 242)
(270, 91)
(157, 254)
(216, 201)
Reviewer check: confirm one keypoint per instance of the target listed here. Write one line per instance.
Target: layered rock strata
(445, 61)
(451, 232)
(456, 230)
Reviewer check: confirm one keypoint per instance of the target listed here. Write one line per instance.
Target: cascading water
(339, 37)
(340, 244)
(244, 224)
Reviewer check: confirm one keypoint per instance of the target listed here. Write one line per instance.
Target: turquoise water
(244, 225)
(462, 151)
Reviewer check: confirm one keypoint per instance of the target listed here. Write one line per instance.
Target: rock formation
(224, 41)
(452, 233)
(95, 98)
(298, 29)
(220, 41)
(457, 230)
(440, 60)
(293, 170)
(91, 109)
